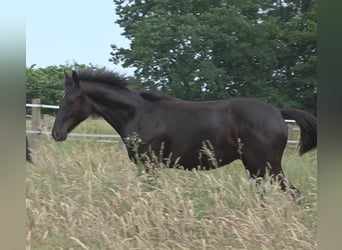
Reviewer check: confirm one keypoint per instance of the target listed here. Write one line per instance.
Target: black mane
(116, 80)
(156, 97)
(152, 97)
(104, 76)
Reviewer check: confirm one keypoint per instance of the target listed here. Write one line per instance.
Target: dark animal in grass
(180, 132)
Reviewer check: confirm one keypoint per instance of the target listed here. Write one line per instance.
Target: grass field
(87, 195)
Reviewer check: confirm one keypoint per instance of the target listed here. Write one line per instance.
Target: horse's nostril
(55, 134)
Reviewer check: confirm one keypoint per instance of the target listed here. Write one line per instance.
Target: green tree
(211, 49)
(297, 68)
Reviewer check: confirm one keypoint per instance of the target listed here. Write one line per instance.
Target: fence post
(35, 122)
(47, 122)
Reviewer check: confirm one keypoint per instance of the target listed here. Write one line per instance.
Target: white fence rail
(35, 105)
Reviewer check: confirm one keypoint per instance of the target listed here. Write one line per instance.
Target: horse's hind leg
(254, 166)
(257, 162)
(278, 175)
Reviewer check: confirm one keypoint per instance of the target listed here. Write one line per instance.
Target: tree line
(205, 50)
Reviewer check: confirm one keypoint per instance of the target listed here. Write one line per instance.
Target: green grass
(87, 195)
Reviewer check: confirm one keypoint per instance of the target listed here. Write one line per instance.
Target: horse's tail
(308, 128)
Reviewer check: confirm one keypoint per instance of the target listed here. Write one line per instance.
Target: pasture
(82, 194)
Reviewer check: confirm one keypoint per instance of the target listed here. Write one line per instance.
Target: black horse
(183, 132)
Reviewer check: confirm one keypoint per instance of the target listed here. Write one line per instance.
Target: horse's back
(256, 112)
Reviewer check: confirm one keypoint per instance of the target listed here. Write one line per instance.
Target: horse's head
(74, 108)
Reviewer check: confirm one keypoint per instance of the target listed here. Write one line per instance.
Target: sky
(64, 31)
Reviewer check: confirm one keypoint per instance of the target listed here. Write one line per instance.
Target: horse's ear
(75, 77)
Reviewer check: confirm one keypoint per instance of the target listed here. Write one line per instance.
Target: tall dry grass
(87, 195)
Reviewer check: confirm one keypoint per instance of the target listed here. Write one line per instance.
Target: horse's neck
(117, 107)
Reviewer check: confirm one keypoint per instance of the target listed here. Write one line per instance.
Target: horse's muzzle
(57, 136)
